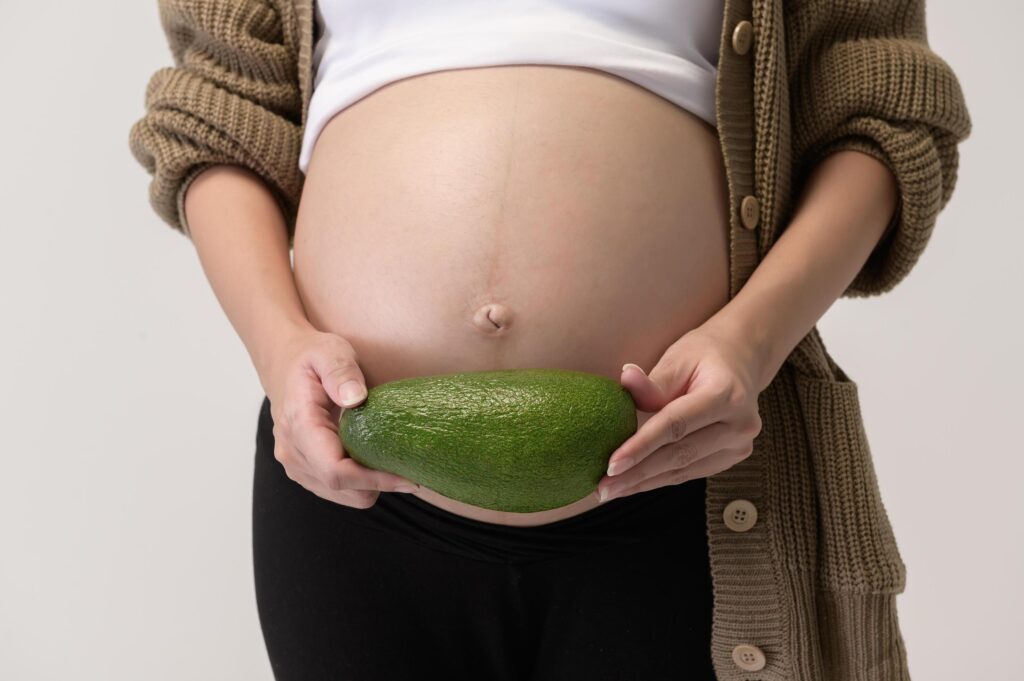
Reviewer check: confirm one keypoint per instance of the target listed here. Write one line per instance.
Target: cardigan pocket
(857, 550)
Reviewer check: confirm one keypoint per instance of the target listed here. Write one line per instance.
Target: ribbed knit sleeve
(231, 97)
(865, 78)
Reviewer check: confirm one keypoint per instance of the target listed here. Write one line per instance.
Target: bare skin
(513, 217)
(510, 217)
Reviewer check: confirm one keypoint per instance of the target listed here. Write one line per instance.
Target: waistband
(674, 513)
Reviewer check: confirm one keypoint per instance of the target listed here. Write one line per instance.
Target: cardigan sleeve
(232, 97)
(865, 78)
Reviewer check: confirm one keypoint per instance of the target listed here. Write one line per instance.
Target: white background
(129, 405)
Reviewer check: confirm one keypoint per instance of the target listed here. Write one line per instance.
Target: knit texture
(232, 97)
(864, 78)
(813, 582)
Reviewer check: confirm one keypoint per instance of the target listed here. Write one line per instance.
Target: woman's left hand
(703, 392)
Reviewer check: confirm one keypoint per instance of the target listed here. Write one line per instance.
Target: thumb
(647, 394)
(342, 379)
(650, 392)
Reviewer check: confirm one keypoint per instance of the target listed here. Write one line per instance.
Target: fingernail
(630, 364)
(407, 488)
(609, 492)
(620, 465)
(351, 392)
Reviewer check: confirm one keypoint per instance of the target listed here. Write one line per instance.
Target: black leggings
(406, 590)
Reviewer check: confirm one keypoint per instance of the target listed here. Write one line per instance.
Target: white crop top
(669, 47)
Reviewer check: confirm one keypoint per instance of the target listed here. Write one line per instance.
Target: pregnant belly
(512, 217)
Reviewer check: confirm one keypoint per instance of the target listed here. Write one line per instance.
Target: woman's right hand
(309, 380)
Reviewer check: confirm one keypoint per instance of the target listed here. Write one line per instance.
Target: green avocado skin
(518, 440)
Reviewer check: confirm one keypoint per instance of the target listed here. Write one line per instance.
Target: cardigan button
(748, 658)
(750, 212)
(740, 515)
(742, 37)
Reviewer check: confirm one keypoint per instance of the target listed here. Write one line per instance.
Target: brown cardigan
(804, 562)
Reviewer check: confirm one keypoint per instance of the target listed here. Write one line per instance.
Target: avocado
(519, 440)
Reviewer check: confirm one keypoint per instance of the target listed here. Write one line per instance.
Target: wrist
(752, 336)
(274, 341)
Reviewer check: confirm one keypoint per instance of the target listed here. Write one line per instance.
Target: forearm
(840, 217)
(239, 234)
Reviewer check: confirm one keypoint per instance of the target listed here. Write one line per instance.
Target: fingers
(320, 446)
(356, 476)
(355, 498)
(701, 468)
(314, 382)
(677, 455)
(346, 474)
(318, 443)
(308, 422)
(682, 416)
(308, 437)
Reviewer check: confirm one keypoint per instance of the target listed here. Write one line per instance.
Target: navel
(492, 318)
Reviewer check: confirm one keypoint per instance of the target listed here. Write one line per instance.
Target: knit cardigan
(804, 563)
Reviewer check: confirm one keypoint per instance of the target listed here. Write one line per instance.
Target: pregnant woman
(600, 186)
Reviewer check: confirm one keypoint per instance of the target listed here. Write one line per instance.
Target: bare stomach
(512, 217)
